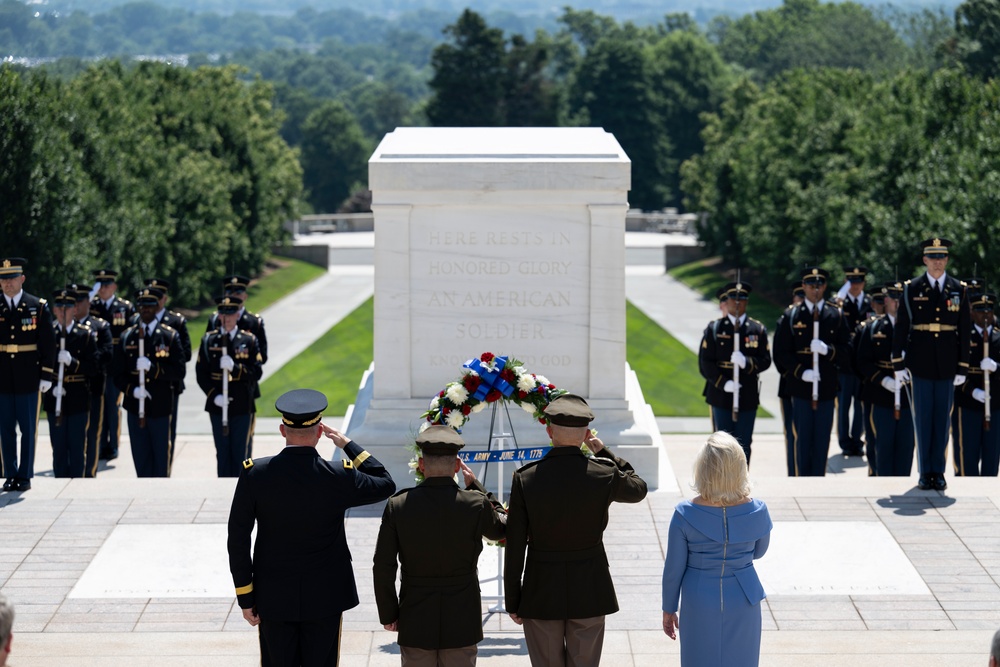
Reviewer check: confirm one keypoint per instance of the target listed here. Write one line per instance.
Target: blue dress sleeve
(760, 547)
(675, 564)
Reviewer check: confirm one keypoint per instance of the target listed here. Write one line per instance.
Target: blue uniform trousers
(232, 449)
(19, 411)
(977, 452)
(111, 433)
(69, 442)
(870, 453)
(786, 418)
(95, 434)
(151, 450)
(741, 429)
(173, 420)
(932, 401)
(849, 426)
(812, 436)
(893, 441)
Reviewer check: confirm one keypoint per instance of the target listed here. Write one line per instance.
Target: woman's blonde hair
(720, 470)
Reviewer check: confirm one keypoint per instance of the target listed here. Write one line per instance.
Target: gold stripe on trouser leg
(959, 465)
(795, 446)
(38, 412)
(246, 443)
(170, 447)
(98, 437)
(871, 423)
(340, 636)
(118, 405)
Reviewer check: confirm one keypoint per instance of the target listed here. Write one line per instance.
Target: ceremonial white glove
(219, 401)
(226, 362)
(140, 392)
(809, 375)
(58, 391)
(988, 365)
(143, 364)
(738, 359)
(959, 380)
(889, 384)
(65, 358)
(979, 395)
(818, 346)
(730, 387)
(44, 385)
(902, 376)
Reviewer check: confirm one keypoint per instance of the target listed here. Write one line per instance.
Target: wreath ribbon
(490, 377)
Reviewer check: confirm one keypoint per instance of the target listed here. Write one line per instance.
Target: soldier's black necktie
(937, 290)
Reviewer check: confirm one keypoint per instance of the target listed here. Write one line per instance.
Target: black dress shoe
(939, 483)
(10, 485)
(925, 483)
(23, 484)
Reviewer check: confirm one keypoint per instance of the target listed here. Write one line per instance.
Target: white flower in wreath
(542, 380)
(424, 426)
(455, 419)
(456, 393)
(478, 407)
(435, 403)
(529, 408)
(525, 382)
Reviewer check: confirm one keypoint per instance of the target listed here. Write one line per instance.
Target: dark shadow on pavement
(915, 502)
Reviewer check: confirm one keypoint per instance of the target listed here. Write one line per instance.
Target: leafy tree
(334, 156)
(977, 27)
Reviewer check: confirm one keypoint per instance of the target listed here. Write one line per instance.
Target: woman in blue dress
(711, 546)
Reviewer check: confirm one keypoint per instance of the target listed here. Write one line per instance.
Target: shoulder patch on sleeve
(248, 464)
(348, 465)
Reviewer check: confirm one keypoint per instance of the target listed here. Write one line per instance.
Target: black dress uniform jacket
(791, 350)
(934, 331)
(301, 566)
(81, 343)
(975, 379)
(558, 511)
(248, 322)
(713, 361)
(164, 350)
(105, 351)
(119, 315)
(874, 361)
(436, 529)
(855, 315)
(27, 345)
(242, 379)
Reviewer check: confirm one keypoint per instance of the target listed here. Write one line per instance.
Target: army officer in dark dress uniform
(436, 530)
(299, 581)
(558, 512)
(976, 442)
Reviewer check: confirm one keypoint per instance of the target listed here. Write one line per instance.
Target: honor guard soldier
(798, 296)
(236, 287)
(877, 297)
(97, 379)
(436, 531)
(732, 355)
(977, 439)
(856, 306)
(117, 312)
(178, 323)
(27, 359)
(298, 581)
(812, 343)
(67, 405)
(148, 364)
(931, 345)
(558, 511)
(229, 350)
(888, 401)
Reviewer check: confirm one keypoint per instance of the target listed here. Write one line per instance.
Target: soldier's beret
(227, 305)
(301, 408)
(936, 247)
(983, 301)
(235, 283)
(106, 275)
(569, 410)
(12, 267)
(64, 297)
(855, 274)
(148, 296)
(439, 439)
(814, 275)
(158, 283)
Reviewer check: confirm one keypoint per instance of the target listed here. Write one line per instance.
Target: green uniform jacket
(437, 530)
(558, 512)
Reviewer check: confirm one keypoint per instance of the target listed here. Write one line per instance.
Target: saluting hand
(339, 439)
(467, 474)
(593, 443)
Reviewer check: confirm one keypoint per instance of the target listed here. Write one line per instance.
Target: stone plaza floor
(861, 571)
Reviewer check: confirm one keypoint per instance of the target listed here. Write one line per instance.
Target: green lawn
(334, 365)
(703, 277)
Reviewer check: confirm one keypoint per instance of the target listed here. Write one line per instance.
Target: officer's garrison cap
(812, 275)
(855, 274)
(439, 439)
(569, 410)
(82, 291)
(64, 297)
(148, 296)
(235, 283)
(738, 290)
(893, 290)
(936, 247)
(983, 301)
(104, 276)
(12, 267)
(301, 408)
(227, 305)
(159, 283)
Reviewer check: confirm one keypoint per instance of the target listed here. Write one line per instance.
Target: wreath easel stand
(500, 435)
